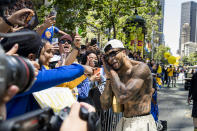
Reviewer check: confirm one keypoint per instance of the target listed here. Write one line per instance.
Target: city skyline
(172, 22)
(188, 25)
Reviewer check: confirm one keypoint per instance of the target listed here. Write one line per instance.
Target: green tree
(101, 15)
(72, 13)
(109, 14)
(189, 60)
(192, 58)
(159, 55)
(113, 14)
(41, 9)
(184, 60)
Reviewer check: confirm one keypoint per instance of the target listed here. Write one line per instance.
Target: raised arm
(73, 55)
(132, 89)
(53, 77)
(62, 32)
(49, 21)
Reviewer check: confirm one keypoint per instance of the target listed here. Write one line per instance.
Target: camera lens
(16, 70)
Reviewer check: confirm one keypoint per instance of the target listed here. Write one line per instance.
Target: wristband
(7, 22)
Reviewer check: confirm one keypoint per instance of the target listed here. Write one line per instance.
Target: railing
(109, 120)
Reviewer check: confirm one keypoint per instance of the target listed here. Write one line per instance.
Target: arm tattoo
(131, 89)
(106, 97)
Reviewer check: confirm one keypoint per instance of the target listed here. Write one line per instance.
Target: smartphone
(31, 21)
(28, 18)
(53, 13)
(96, 70)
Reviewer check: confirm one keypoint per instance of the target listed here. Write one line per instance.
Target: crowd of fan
(56, 65)
(66, 62)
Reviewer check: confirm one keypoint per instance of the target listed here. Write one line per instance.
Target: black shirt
(193, 89)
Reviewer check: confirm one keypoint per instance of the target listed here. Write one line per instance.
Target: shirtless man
(131, 82)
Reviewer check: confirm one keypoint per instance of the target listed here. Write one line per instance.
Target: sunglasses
(64, 41)
(112, 54)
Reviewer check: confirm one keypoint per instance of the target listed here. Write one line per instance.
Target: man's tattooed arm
(106, 97)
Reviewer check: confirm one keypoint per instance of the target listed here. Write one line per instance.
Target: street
(173, 107)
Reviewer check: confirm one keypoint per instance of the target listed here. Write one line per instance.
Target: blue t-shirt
(49, 32)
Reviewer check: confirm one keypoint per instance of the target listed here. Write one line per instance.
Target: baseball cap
(113, 44)
(68, 37)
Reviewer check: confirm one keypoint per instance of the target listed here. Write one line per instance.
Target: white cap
(114, 44)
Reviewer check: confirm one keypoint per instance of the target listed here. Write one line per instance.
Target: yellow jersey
(170, 71)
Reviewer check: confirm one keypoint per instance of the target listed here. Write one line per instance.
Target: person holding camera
(90, 59)
(131, 83)
(45, 79)
(11, 91)
(73, 122)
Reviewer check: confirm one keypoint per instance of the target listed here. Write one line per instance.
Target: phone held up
(31, 21)
(53, 13)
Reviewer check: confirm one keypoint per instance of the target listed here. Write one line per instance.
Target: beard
(117, 69)
(120, 65)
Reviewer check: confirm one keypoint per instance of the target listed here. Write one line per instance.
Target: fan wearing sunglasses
(67, 52)
(131, 83)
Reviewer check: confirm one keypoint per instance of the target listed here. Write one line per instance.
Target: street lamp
(135, 31)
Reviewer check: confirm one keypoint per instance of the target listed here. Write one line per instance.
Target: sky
(172, 20)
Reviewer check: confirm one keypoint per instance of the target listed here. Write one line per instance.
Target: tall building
(161, 23)
(190, 47)
(185, 37)
(188, 16)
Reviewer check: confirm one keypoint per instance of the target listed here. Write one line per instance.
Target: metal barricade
(109, 120)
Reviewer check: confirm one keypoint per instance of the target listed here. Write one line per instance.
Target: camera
(31, 21)
(15, 70)
(46, 120)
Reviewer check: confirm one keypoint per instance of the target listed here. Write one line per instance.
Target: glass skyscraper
(188, 16)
